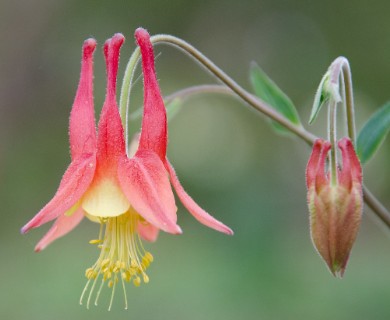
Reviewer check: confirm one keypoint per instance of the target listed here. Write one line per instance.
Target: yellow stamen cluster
(122, 257)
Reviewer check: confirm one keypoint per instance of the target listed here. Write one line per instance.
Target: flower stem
(332, 136)
(347, 77)
(127, 82)
(376, 206)
(253, 102)
(200, 89)
(340, 69)
(369, 198)
(187, 93)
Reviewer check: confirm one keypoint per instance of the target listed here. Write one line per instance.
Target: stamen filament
(124, 292)
(121, 255)
(112, 295)
(84, 291)
(98, 293)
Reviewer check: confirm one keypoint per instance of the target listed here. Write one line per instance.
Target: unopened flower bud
(335, 206)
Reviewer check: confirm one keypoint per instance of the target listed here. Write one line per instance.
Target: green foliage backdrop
(228, 158)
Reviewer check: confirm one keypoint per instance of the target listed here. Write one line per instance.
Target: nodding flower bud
(335, 207)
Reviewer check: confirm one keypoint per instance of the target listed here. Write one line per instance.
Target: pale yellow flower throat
(122, 257)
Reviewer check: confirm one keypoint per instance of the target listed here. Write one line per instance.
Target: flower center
(122, 257)
(105, 199)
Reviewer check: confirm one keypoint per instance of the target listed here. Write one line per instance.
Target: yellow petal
(105, 199)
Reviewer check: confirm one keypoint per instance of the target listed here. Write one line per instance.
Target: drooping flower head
(130, 197)
(335, 207)
(92, 187)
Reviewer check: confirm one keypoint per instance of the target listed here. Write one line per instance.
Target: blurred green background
(226, 155)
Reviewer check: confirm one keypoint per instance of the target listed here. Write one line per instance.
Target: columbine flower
(335, 208)
(129, 197)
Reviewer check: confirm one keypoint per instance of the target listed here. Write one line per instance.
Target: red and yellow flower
(131, 197)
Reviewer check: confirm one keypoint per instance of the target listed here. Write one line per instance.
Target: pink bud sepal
(335, 208)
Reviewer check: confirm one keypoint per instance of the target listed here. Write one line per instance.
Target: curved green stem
(376, 206)
(200, 89)
(332, 137)
(347, 76)
(340, 69)
(127, 82)
(252, 101)
(256, 103)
